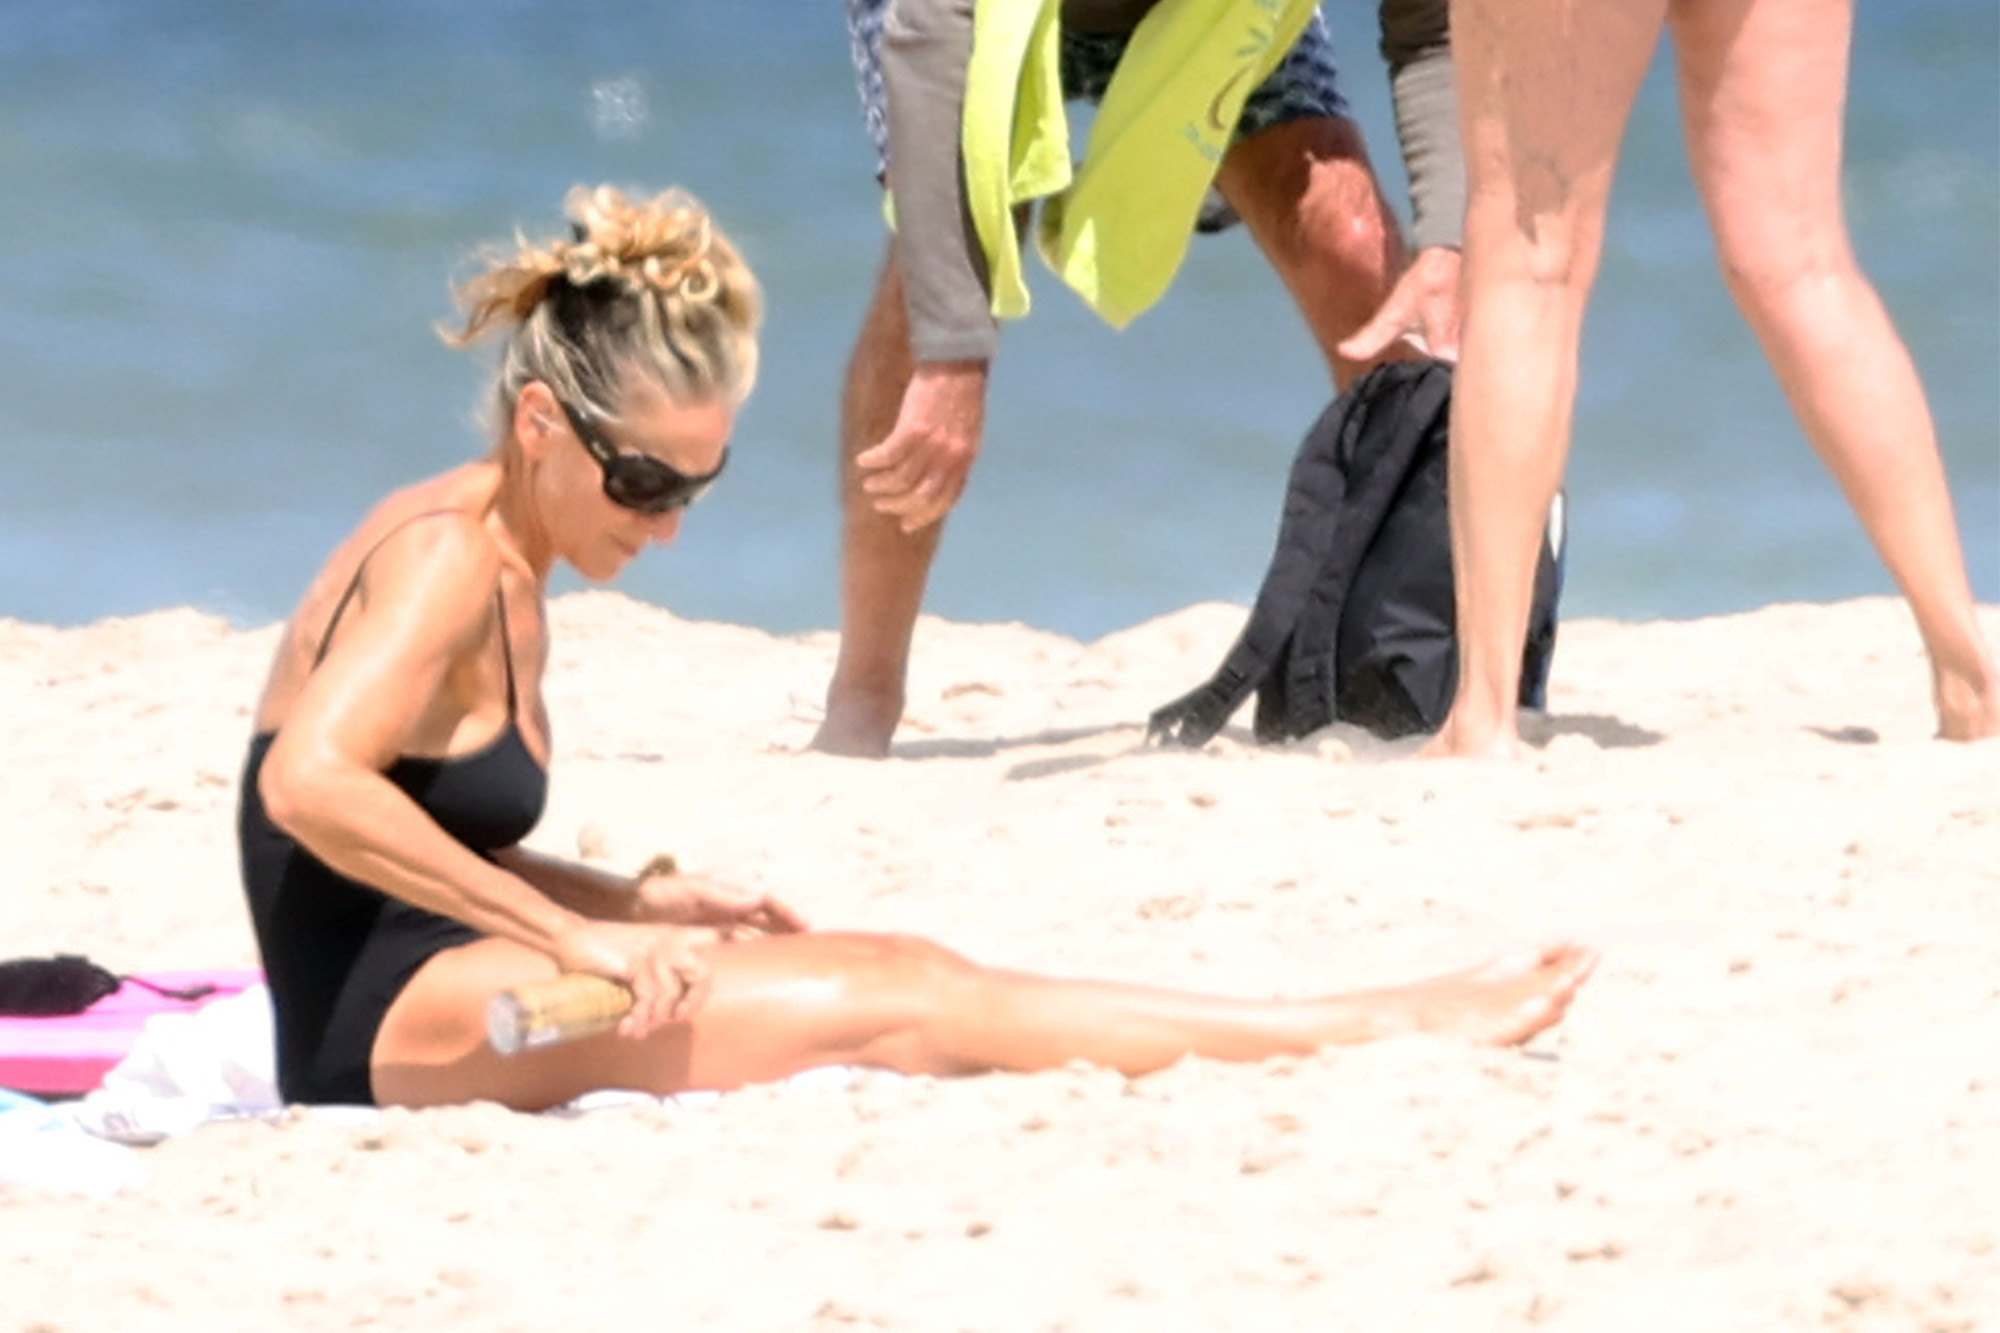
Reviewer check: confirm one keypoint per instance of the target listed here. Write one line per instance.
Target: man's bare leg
(1544, 91)
(787, 1003)
(883, 570)
(1763, 83)
(1307, 193)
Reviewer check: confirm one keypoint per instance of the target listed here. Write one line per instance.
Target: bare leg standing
(883, 569)
(1762, 85)
(1545, 88)
(795, 1002)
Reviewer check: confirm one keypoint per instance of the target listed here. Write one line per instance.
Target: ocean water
(226, 229)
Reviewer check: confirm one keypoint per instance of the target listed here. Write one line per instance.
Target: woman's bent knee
(909, 994)
(908, 965)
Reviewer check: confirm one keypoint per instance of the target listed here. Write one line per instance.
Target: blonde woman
(401, 748)
(1545, 88)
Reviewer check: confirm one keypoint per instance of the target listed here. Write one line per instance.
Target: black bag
(68, 983)
(1356, 621)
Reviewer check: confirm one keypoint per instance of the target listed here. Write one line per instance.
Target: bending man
(1295, 171)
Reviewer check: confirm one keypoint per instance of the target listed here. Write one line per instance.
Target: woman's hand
(666, 967)
(697, 900)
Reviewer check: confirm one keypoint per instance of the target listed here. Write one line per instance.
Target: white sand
(1777, 1106)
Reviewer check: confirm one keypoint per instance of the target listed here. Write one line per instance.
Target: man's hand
(1422, 309)
(918, 472)
(697, 900)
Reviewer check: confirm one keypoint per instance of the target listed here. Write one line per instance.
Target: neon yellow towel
(1118, 233)
(1015, 134)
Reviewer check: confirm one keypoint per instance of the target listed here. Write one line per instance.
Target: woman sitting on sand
(402, 743)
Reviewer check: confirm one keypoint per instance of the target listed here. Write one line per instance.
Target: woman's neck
(510, 514)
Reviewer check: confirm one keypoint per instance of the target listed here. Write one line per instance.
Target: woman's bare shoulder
(440, 514)
(425, 546)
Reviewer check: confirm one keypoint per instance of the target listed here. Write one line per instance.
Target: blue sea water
(226, 229)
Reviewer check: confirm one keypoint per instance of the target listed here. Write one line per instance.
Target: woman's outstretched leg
(1544, 88)
(1762, 85)
(790, 1003)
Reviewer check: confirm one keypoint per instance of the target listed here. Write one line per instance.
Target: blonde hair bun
(652, 285)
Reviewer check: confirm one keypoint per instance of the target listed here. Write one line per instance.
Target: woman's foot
(1463, 738)
(1500, 1003)
(1968, 702)
(859, 724)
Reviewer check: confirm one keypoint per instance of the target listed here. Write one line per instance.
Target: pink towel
(69, 1055)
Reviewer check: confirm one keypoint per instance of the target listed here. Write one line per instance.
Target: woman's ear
(536, 416)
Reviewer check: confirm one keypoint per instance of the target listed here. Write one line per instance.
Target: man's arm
(1416, 41)
(926, 49)
(916, 473)
(1422, 309)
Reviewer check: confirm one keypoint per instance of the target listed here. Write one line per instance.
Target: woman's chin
(604, 567)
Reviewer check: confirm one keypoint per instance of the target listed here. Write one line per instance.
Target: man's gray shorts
(1303, 86)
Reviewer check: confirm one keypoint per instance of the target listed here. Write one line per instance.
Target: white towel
(214, 1063)
(186, 1069)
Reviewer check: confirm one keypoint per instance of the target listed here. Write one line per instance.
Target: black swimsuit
(336, 952)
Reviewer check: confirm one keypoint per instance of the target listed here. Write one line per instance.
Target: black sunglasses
(638, 481)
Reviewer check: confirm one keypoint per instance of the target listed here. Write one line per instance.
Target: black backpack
(1356, 620)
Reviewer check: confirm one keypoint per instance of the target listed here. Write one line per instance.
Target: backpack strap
(1314, 493)
(1399, 406)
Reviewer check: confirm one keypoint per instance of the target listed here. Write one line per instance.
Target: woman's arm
(658, 894)
(427, 613)
(601, 895)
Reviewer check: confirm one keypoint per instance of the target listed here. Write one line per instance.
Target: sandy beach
(1775, 1107)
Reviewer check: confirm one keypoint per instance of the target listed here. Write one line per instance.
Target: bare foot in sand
(1968, 702)
(858, 724)
(1463, 738)
(1501, 1003)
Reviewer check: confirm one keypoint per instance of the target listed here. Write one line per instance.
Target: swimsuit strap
(506, 648)
(354, 583)
(499, 601)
